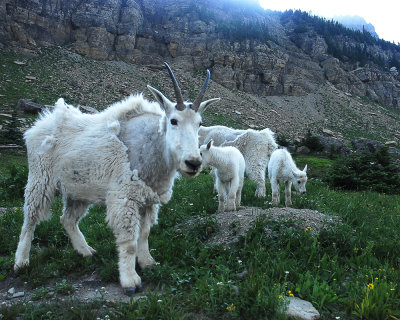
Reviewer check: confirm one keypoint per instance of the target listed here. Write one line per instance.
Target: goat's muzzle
(193, 167)
(193, 164)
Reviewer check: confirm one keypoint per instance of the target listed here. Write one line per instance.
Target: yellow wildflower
(371, 286)
(290, 293)
(308, 229)
(231, 308)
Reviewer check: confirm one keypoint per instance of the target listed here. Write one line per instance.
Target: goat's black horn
(178, 94)
(199, 99)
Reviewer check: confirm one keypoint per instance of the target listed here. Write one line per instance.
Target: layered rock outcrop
(195, 35)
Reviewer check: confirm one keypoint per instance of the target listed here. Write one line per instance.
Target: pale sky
(384, 15)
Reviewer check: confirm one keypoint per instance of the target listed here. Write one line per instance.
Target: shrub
(11, 133)
(282, 140)
(366, 171)
(12, 185)
(312, 142)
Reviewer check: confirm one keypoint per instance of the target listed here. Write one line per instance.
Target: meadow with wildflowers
(348, 271)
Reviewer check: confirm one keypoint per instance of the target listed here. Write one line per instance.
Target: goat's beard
(188, 174)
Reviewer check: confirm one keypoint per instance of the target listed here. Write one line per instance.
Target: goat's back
(219, 134)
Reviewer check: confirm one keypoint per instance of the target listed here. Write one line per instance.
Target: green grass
(194, 278)
(14, 84)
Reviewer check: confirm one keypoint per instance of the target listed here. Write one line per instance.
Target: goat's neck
(163, 168)
(148, 152)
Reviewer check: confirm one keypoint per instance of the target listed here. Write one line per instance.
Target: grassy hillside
(349, 270)
(58, 72)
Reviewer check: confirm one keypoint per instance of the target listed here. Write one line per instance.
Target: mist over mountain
(356, 23)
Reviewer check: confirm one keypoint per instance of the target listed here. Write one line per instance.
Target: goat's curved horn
(178, 94)
(199, 99)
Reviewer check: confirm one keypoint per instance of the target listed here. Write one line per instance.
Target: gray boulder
(301, 310)
(28, 106)
(332, 144)
(366, 145)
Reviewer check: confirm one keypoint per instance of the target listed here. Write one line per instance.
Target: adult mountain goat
(125, 157)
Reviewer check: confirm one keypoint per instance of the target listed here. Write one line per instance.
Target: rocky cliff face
(195, 35)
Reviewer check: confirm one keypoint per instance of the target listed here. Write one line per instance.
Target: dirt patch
(232, 225)
(87, 289)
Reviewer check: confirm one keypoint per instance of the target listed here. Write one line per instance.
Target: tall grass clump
(13, 182)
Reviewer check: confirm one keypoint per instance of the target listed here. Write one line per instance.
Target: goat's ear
(305, 169)
(203, 106)
(209, 144)
(164, 102)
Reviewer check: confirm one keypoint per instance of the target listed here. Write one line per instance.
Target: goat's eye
(201, 154)
(174, 122)
(298, 181)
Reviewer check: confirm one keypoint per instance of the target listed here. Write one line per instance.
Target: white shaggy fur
(229, 167)
(282, 169)
(125, 157)
(255, 146)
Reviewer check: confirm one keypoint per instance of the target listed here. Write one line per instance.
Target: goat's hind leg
(239, 194)
(232, 189)
(256, 173)
(38, 198)
(73, 211)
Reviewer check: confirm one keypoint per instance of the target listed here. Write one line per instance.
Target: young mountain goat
(229, 174)
(255, 146)
(125, 157)
(282, 169)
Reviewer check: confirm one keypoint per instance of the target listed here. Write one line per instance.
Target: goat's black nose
(193, 164)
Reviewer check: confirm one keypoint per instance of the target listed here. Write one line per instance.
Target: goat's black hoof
(139, 289)
(130, 291)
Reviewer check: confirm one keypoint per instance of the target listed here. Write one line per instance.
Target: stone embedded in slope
(301, 310)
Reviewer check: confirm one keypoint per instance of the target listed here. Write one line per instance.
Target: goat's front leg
(288, 193)
(221, 195)
(124, 219)
(144, 257)
(275, 192)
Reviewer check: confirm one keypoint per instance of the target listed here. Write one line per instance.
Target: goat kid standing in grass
(229, 167)
(256, 147)
(282, 169)
(125, 157)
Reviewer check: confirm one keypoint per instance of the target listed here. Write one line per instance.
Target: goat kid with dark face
(125, 157)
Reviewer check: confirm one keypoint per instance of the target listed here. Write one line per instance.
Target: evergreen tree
(11, 132)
